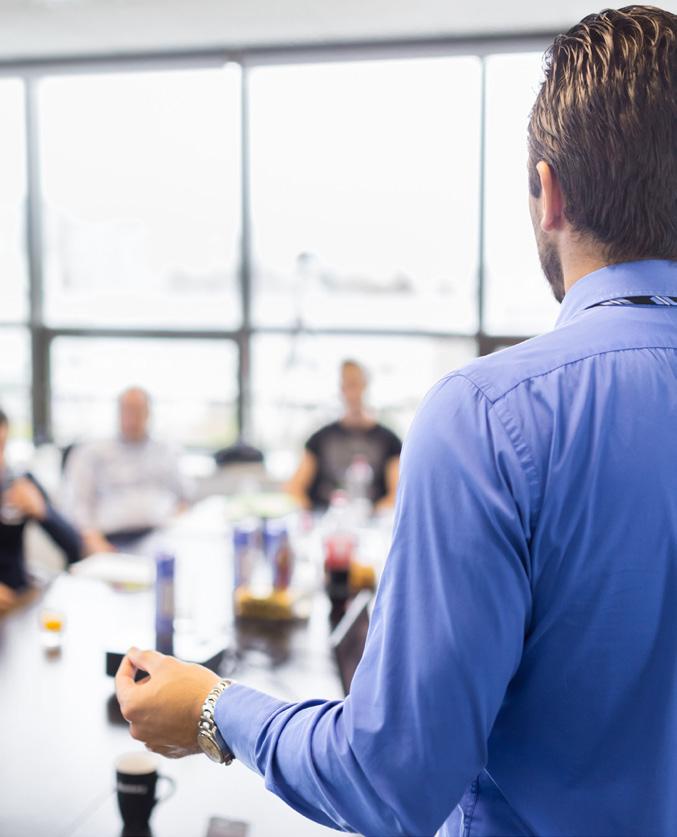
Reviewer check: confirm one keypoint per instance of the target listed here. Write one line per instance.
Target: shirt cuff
(51, 515)
(240, 713)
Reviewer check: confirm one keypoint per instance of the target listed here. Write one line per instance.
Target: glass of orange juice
(52, 625)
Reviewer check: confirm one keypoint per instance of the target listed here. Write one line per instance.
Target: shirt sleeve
(59, 529)
(79, 490)
(315, 441)
(394, 446)
(396, 756)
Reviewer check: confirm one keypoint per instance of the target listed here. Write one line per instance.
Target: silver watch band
(207, 722)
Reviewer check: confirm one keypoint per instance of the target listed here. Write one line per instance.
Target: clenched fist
(163, 709)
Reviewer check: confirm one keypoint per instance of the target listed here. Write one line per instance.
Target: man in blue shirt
(520, 674)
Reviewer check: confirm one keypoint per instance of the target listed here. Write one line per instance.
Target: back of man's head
(605, 120)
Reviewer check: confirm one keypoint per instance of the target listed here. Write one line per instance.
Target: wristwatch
(209, 739)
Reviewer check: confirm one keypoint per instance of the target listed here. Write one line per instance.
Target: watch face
(209, 747)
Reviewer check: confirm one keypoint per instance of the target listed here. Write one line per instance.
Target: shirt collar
(644, 278)
(133, 442)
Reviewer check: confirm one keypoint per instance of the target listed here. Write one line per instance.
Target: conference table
(61, 730)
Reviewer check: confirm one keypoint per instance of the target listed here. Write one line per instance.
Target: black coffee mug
(137, 777)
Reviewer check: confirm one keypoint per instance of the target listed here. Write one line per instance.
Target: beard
(551, 264)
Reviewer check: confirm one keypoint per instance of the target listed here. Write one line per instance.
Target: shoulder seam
(517, 440)
(561, 366)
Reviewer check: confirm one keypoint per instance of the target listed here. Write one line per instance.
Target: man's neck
(357, 418)
(578, 261)
(133, 440)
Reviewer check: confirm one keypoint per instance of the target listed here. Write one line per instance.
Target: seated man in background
(120, 489)
(22, 499)
(347, 445)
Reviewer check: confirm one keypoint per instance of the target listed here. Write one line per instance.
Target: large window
(13, 263)
(224, 234)
(192, 384)
(364, 194)
(517, 297)
(140, 176)
(15, 376)
(15, 358)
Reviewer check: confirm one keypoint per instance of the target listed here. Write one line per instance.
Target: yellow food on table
(276, 606)
(362, 577)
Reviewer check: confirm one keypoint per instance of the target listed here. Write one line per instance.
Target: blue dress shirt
(520, 674)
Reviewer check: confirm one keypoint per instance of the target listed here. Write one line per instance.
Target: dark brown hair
(605, 119)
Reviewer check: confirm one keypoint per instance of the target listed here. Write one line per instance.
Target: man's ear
(552, 203)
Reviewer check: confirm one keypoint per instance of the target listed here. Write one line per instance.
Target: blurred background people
(118, 490)
(355, 449)
(23, 499)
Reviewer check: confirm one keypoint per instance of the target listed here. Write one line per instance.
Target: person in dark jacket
(23, 499)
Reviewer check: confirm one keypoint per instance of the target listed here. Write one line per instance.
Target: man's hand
(164, 708)
(25, 497)
(7, 598)
(95, 542)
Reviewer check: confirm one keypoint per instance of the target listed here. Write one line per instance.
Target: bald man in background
(120, 489)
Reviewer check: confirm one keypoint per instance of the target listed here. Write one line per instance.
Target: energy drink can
(165, 565)
(279, 553)
(246, 542)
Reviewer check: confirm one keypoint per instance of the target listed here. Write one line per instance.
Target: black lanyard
(668, 301)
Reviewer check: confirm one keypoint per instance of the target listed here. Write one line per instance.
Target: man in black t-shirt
(355, 440)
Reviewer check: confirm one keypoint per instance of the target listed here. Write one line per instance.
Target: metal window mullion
(40, 383)
(481, 206)
(245, 336)
(141, 332)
